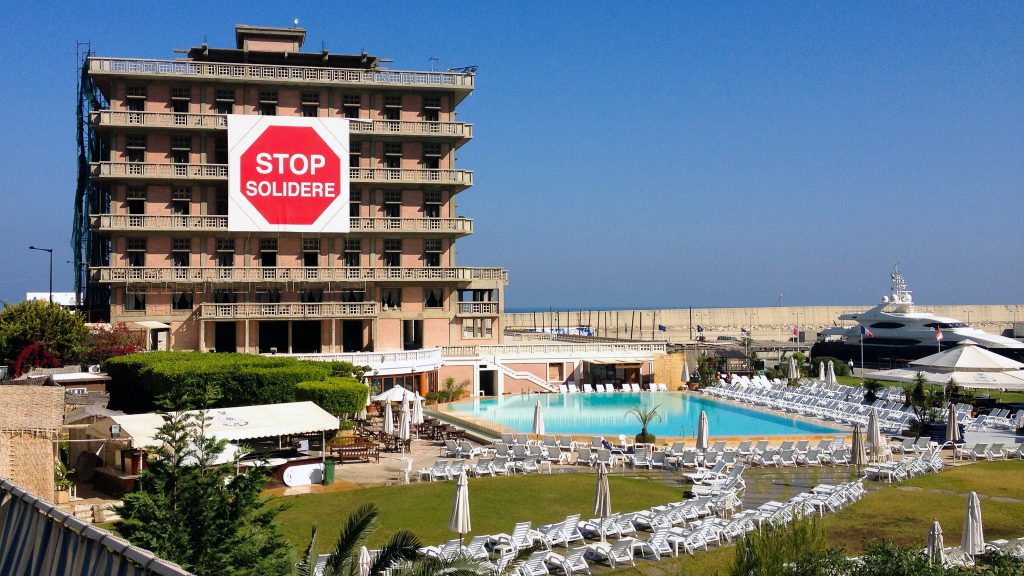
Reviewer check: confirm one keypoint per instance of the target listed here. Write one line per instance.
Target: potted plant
(645, 416)
(61, 483)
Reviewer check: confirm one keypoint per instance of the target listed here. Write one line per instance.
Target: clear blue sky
(648, 155)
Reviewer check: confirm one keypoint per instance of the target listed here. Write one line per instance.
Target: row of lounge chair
(989, 451)
(998, 419)
(572, 388)
(908, 467)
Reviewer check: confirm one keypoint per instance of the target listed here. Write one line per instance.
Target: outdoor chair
(618, 554)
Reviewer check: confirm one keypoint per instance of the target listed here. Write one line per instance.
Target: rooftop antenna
(778, 302)
(433, 63)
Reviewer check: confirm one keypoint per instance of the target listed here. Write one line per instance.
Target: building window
(310, 252)
(433, 298)
(221, 207)
(392, 252)
(268, 252)
(180, 98)
(181, 148)
(135, 198)
(392, 154)
(221, 296)
(432, 204)
(355, 152)
(181, 248)
(220, 151)
(225, 252)
(310, 104)
(135, 252)
(473, 328)
(135, 300)
(432, 252)
(390, 298)
(352, 249)
(355, 197)
(392, 203)
(392, 106)
(311, 296)
(431, 107)
(135, 149)
(268, 103)
(431, 155)
(135, 101)
(181, 203)
(225, 101)
(272, 296)
(350, 105)
(352, 296)
(182, 300)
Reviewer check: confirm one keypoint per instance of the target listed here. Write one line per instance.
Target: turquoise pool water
(605, 414)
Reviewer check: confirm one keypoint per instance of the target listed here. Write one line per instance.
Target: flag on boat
(865, 332)
(662, 328)
(795, 331)
(938, 334)
(745, 332)
(700, 328)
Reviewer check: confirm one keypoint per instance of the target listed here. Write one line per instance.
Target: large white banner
(287, 174)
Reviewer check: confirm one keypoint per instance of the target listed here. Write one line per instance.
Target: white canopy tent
(969, 364)
(396, 394)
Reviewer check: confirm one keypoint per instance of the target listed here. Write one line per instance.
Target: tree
(33, 356)
(103, 343)
(924, 401)
(797, 549)
(645, 416)
(871, 388)
(200, 515)
(707, 369)
(59, 331)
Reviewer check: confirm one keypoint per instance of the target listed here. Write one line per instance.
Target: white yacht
(894, 334)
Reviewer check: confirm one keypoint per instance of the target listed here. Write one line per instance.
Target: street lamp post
(50, 251)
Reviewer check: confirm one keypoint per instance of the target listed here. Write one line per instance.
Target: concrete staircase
(529, 377)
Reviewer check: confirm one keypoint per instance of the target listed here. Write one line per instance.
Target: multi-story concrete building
(163, 256)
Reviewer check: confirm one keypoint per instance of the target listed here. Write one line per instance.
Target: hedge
(179, 380)
(335, 395)
(840, 366)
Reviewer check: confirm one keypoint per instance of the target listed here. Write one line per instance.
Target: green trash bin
(329, 471)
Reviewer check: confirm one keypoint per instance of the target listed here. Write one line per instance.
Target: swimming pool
(606, 414)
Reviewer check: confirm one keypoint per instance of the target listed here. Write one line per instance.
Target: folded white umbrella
(702, 431)
(831, 373)
(538, 420)
(935, 550)
(794, 373)
(389, 425)
(459, 520)
(858, 456)
(686, 371)
(972, 541)
(602, 496)
(821, 371)
(361, 415)
(875, 437)
(952, 428)
(403, 422)
(417, 411)
(364, 562)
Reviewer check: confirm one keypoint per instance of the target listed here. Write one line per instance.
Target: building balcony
(288, 311)
(183, 223)
(460, 179)
(460, 83)
(477, 309)
(157, 275)
(459, 131)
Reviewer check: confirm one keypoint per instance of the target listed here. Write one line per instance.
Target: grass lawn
(1009, 397)
(496, 505)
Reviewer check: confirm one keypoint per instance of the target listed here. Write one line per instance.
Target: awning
(232, 424)
(151, 325)
(618, 361)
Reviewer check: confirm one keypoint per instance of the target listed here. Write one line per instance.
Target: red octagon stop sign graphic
(290, 175)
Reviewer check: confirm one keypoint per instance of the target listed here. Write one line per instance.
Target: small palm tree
(645, 416)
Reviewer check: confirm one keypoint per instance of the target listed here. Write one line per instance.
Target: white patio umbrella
(875, 437)
(821, 371)
(403, 422)
(686, 371)
(702, 431)
(858, 456)
(538, 420)
(831, 373)
(952, 428)
(363, 568)
(389, 425)
(973, 539)
(459, 520)
(602, 497)
(361, 415)
(417, 411)
(935, 550)
(794, 373)
(395, 394)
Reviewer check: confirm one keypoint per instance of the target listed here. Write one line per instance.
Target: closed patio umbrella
(602, 497)
(686, 371)
(538, 420)
(821, 371)
(702, 431)
(952, 428)
(459, 520)
(858, 456)
(417, 411)
(794, 373)
(403, 422)
(831, 373)
(935, 550)
(389, 425)
(365, 563)
(361, 415)
(875, 437)
(973, 539)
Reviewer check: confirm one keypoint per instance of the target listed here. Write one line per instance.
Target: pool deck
(840, 430)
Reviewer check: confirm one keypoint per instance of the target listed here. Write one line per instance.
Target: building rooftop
(277, 46)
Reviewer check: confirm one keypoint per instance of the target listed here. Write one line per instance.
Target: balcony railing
(237, 72)
(289, 310)
(383, 363)
(461, 178)
(598, 351)
(115, 274)
(478, 309)
(173, 222)
(121, 118)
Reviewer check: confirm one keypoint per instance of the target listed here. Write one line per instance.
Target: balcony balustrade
(288, 310)
(175, 222)
(478, 309)
(145, 274)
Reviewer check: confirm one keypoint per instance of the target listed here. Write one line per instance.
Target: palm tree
(645, 416)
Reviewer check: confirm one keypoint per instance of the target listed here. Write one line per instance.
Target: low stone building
(30, 423)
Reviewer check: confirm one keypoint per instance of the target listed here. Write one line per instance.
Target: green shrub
(840, 366)
(335, 395)
(194, 379)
